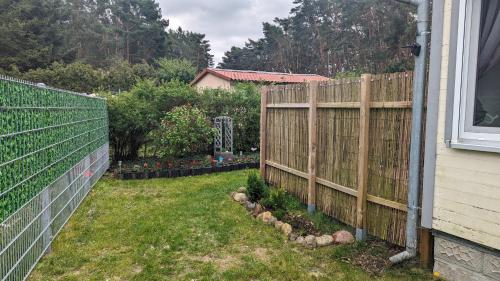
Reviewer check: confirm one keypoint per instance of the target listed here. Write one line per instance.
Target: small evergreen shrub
(277, 199)
(257, 189)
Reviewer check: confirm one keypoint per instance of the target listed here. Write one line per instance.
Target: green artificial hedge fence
(44, 132)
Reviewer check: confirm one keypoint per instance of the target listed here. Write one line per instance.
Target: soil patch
(375, 257)
(300, 225)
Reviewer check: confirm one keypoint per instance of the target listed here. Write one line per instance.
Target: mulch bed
(374, 258)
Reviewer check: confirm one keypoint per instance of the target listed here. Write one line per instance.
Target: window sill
(476, 145)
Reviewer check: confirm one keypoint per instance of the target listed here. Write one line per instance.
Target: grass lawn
(188, 229)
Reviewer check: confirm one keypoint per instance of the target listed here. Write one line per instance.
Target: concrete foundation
(457, 259)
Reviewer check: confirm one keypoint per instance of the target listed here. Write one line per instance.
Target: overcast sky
(225, 23)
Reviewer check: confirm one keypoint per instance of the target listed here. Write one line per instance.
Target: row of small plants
(172, 168)
(273, 199)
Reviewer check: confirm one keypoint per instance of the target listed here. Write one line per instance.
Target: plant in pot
(206, 166)
(195, 168)
(146, 170)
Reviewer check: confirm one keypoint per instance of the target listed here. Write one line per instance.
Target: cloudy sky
(225, 23)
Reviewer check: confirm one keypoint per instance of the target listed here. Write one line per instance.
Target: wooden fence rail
(342, 148)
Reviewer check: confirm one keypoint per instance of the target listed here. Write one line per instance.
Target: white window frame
(464, 134)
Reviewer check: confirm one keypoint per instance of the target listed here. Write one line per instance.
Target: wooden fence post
(364, 125)
(263, 123)
(312, 90)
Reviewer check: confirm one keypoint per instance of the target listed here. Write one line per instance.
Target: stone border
(309, 241)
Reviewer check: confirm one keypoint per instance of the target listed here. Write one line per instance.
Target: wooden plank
(378, 104)
(387, 203)
(343, 189)
(312, 89)
(288, 105)
(364, 119)
(263, 140)
(337, 187)
(426, 248)
(338, 105)
(287, 169)
(391, 104)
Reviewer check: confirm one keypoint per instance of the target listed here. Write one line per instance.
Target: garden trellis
(223, 141)
(53, 148)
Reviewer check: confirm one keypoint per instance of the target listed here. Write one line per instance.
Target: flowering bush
(184, 130)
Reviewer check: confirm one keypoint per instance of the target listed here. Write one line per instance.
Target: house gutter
(423, 33)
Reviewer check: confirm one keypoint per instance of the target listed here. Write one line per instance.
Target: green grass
(188, 229)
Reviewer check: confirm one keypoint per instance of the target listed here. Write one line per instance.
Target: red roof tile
(259, 76)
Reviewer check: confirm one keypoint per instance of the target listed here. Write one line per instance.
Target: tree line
(329, 37)
(35, 34)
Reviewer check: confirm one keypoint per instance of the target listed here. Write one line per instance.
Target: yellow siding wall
(467, 189)
(211, 81)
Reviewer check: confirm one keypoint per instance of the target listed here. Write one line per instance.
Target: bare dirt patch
(222, 263)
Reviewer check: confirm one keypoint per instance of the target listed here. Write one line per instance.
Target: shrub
(256, 189)
(277, 199)
(183, 132)
(175, 69)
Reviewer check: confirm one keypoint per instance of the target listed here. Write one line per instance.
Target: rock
(265, 217)
(242, 190)
(343, 237)
(293, 237)
(240, 197)
(272, 220)
(300, 240)
(258, 209)
(310, 241)
(232, 194)
(324, 240)
(278, 225)
(286, 229)
(250, 205)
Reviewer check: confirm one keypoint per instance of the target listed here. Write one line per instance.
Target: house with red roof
(214, 78)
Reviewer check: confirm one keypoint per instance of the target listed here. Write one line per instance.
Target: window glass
(487, 96)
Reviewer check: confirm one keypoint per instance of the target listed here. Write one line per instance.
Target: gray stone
(250, 205)
(293, 237)
(240, 197)
(242, 190)
(310, 241)
(324, 240)
(300, 240)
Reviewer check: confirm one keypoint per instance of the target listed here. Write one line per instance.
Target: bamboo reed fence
(343, 146)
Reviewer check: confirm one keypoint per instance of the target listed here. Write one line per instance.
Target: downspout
(423, 11)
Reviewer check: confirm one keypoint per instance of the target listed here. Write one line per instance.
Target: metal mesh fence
(53, 149)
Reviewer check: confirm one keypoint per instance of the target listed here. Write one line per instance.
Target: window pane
(487, 100)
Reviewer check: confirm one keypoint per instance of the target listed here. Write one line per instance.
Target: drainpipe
(420, 50)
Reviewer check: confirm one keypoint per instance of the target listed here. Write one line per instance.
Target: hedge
(44, 132)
